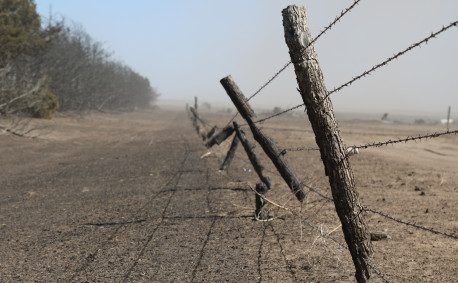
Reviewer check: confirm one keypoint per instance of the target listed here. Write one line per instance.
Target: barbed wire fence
(327, 28)
(350, 150)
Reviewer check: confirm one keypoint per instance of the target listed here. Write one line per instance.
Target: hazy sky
(185, 47)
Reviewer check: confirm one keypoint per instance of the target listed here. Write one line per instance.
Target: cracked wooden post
(327, 136)
(230, 154)
(267, 144)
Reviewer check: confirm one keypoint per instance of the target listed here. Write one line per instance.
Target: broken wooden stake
(267, 144)
(327, 135)
(220, 137)
(230, 154)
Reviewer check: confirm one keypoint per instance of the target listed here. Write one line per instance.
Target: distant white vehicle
(444, 121)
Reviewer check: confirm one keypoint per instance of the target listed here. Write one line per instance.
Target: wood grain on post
(249, 148)
(327, 135)
(267, 144)
(230, 154)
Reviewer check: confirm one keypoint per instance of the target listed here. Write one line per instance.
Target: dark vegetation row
(49, 65)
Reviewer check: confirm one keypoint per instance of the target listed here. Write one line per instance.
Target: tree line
(57, 65)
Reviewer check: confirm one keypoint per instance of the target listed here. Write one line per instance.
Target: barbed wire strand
(425, 40)
(380, 144)
(337, 19)
(319, 193)
(410, 223)
(375, 67)
(278, 114)
(405, 140)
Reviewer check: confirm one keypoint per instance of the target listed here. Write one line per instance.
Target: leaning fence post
(230, 154)
(327, 135)
(267, 144)
(220, 137)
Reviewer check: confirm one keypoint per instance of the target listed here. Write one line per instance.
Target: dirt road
(128, 198)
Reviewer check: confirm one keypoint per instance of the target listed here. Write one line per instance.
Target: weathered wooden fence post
(267, 144)
(448, 118)
(230, 154)
(327, 135)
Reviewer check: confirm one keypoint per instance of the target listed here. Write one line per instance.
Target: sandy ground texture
(127, 197)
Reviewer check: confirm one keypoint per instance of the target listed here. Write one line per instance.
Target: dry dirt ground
(127, 197)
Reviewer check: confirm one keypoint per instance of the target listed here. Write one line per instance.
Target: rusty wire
(380, 144)
(365, 208)
(337, 19)
(375, 67)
